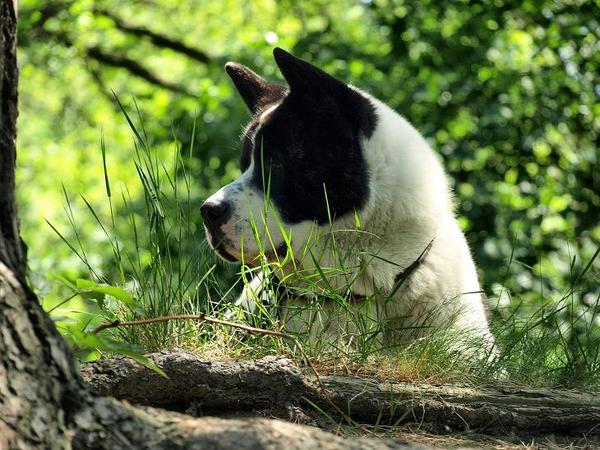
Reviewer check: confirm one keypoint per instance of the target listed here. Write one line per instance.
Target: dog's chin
(218, 244)
(251, 259)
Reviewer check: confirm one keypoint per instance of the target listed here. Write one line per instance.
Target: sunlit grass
(170, 270)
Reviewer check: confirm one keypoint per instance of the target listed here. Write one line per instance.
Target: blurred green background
(506, 91)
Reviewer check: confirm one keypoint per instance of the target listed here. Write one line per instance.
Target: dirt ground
(471, 440)
(476, 441)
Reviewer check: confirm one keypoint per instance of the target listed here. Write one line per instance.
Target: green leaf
(87, 343)
(97, 291)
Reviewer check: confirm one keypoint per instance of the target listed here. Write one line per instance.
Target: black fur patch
(308, 149)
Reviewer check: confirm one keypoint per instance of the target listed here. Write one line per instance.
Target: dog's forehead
(298, 126)
(287, 119)
(308, 145)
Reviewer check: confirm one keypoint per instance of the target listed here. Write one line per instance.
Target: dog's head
(302, 160)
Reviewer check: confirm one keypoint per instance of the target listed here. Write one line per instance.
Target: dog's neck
(405, 174)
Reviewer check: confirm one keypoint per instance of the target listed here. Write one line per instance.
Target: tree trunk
(43, 402)
(9, 234)
(38, 379)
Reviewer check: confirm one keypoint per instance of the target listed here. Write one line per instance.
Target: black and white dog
(327, 153)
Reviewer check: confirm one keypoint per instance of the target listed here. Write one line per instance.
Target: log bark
(159, 429)
(43, 401)
(276, 385)
(268, 384)
(493, 409)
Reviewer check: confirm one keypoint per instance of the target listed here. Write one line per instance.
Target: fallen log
(264, 384)
(111, 425)
(276, 386)
(490, 409)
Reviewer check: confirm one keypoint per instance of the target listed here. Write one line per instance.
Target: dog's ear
(313, 84)
(255, 90)
(303, 77)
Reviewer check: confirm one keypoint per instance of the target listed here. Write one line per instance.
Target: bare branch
(134, 67)
(157, 39)
(114, 60)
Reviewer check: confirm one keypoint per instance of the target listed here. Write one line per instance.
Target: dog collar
(404, 274)
(401, 276)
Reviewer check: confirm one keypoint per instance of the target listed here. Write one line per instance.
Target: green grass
(162, 266)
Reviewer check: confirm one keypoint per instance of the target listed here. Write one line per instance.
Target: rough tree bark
(43, 402)
(276, 386)
(38, 379)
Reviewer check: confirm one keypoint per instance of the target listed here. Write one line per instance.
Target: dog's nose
(215, 213)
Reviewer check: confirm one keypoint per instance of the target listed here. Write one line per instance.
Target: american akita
(317, 158)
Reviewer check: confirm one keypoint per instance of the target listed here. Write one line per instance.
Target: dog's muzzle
(216, 214)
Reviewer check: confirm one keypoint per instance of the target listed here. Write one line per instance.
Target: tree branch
(114, 60)
(157, 39)
(239, 326)
(99, 80)
(134, 67)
